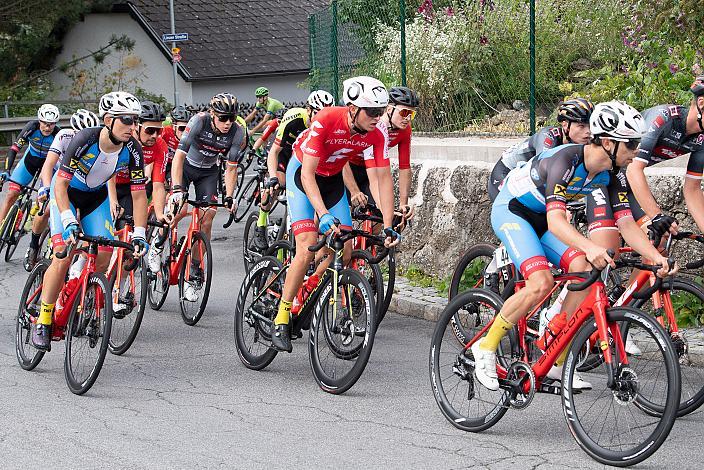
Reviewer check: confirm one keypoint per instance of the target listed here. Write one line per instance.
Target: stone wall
(452, 212)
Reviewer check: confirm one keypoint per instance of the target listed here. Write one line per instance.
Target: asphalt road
(180, 398)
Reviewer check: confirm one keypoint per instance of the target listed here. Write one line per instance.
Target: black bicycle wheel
(464, 402)
(27, 355)
(282, 250)
(44, 245)
(249, 256)
(159, 282)
(607, 421)
(246, 198)
(360, 260)
(19, 233)
(685, 294)
(256, 307)
(389, 285)
(471, 271)
(125, 325)
(342, 331)
(8, 230)
(193, 291)
(88, 335)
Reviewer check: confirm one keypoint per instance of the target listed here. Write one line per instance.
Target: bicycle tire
(249, 256)
(267, 305)
(692, 377)
(120, 342)
(373, 274)
(159, 283)
(389, 286)
(27, 355)
(246, 198)
(321, 331)
(192, 320)
(44, 244)
(8, 229)
(77, 327)
(445, 334)
(19, 233)
(460, 274)
(632, 384)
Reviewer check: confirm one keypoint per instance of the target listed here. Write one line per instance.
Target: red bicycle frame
(178, 259)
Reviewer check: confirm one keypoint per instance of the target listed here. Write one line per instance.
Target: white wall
(155, 74)
(283, 88)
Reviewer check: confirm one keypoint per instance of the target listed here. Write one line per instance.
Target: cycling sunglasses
(632, 144)
(226, 117)
(153, 130)
(404, 113)
(374, 112)
(181, 128)
(128, 120)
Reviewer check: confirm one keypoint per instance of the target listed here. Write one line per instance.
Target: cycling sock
(34, 242)
(263, 218)
(498, 330)
(284, 315)
(45, 314)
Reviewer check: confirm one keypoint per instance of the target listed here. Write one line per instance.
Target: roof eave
(249, 75)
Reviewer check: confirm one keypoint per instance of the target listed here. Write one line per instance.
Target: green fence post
(311, 52)
(402, 19)
(333, 43)
(532, 67)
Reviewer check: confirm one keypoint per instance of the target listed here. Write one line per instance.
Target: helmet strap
(567, 133)
(699, 115)
(390, 116)
(612, 155)
(215, 128)
(112, 137)
(354, 122)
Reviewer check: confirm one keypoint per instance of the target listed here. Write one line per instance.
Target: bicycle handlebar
(42, 209)
(691, 236)
(101, 241)
(348, 235)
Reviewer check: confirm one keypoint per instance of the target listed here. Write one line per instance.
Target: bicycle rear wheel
(125, 326)
(19, 233)
(249, 256)
(158, 283)
(8, 230)
(27, 355)
(342, 331)
(464, 402)
(256, 307)
(246, 198)
(608, 421)
(88, 335)
(360, 261)
(389, 285)
(194, 282)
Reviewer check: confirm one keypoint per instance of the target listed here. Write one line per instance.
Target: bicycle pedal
(550, 389)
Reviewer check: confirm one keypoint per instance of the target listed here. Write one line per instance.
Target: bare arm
(159, 198)
(637, 239)
(261, 123)
(250, 116)
(139, 204)
(310, 186)
(694, 197)
(405, 177)
(177, 167)
(639, 185)
(272, 159)
(385, 187)
(230, 179)
(48, 168)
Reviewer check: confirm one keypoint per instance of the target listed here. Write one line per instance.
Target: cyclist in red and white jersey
(314, 185)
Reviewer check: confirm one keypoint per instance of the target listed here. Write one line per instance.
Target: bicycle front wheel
(194, 282)
(8, 230)
(30, 300)
(249, 256)
(126, 323)
(360, 261)
(608, 421)
(159, 282)
(389, 285)
(246, 199)
(342, 331)
(88, 335)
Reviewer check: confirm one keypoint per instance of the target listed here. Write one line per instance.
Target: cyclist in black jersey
(672, 131)
(573, 116)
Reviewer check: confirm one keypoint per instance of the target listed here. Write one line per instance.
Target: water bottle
(549, 313)
(552, 330)
(32, 212)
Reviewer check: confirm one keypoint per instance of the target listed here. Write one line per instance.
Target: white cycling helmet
(365, 92)
(618, 121)
(83, 119)
(48, 113)
(119, 103)
(320, 99)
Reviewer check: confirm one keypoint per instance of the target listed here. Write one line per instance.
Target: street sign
(177, 58)
(175, 50)
(174, 37)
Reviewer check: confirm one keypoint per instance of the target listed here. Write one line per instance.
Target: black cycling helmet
(404, 96)
(697, 87)
(575, 110)
(224, 103)
(151, 111)
(180, 113)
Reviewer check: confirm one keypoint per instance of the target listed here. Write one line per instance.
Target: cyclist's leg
(96, 221)
(341, 211)
(206, 185)
(21, 176)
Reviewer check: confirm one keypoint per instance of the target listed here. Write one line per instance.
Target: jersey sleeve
(21, 141)
(291, 125)
(314, 142)
(72, 156)
(377, 155)
(618, 196)
(194, 126)
(404, 150)
(547, 138)
(695, 165)
(159, 163)
(138, 179)
(271, 127)
(233, 156)
(650, 140)
(559, 174)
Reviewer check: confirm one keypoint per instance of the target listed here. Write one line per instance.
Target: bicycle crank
(521, 379)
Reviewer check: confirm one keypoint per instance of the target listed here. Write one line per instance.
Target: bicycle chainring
(520, 372)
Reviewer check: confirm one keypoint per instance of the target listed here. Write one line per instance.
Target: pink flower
(449, 11)
(674, 68)
(483, 40)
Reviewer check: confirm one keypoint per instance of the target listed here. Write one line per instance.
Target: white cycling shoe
(189, 292)
(578, 383)
(485, 367)
(632, 348)
(154, 259)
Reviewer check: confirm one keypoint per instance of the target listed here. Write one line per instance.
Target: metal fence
(501, 67)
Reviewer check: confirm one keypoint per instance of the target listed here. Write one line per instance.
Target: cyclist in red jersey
(398, 117)
(314, 181)
(172, 134)
(269, 131)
